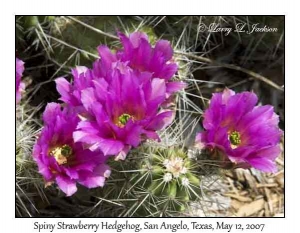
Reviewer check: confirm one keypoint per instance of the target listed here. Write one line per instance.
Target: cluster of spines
(146, 186)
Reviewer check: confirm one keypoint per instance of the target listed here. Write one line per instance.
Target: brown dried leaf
(236, 204)
(280, 179)
(238, 197)
(251, 208)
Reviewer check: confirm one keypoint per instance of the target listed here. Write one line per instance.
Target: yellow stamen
(61, 154)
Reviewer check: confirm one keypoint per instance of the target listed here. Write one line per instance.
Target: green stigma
(66, 150)
(123, 119)
(235, 138)
(61, 153)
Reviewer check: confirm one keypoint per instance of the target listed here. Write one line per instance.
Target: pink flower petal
(67, 185)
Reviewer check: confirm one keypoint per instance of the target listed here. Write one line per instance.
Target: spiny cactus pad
(162, 181)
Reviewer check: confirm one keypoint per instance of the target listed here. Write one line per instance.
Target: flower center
(61, 154)
(123, 119)
(235, 139)
(175, 166)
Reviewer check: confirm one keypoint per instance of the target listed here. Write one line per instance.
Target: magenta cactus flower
(242, 132)
(141, 56)
(71, 93)
(62, 160)
(123, 99)
(138, 54)
(20, 86)
(122, 113)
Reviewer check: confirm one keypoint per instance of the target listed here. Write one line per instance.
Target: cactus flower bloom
(117, 111)
(124, 98)
(122, 113)
(138, 51)
(244, 133)
(63, 161)
(139, 55)
(20, 86)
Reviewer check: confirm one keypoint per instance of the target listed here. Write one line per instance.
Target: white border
(98, 7)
